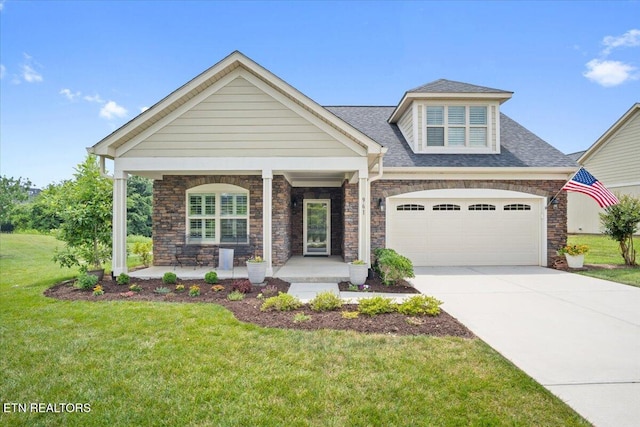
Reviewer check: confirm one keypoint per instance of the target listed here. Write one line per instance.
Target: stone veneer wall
(556, 218)
(281, 220)
(297, 221)
(169, 223)
(350, 220)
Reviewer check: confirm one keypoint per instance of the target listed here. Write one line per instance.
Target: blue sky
(74, 71)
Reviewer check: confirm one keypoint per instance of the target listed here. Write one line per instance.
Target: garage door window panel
(410, 207)
(482, 207)
(446, 207)
(517, 207)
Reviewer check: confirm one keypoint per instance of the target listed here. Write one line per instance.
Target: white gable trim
(235, 61)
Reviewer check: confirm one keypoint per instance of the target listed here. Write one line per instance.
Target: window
(456, 126)
(446, 207)
(410, 207)
(482, 207)
(217, 213)
(517, 207)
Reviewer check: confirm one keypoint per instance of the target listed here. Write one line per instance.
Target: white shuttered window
(456, 126)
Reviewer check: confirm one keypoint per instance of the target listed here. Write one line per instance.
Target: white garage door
(432, 232)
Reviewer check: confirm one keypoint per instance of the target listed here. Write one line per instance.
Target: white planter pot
(574, 261)
(358, 273)
(256, 272)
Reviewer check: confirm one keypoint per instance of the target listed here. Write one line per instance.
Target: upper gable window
(456, 126)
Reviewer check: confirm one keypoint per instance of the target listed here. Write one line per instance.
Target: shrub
(350, 314)
(194, 291)
(282, 302)
(169, 278)
(123, 279)
(235, 296)
(217, 288)
(143, 250)
(325, 301)
(162, 290)
(391, 266)
(179, 288)
(376, 305)
(135, 288)
(211, 277)
(301, 317)
(270, 291)
(244, 286)
(97, 291)
(420, 305)
(86, 281)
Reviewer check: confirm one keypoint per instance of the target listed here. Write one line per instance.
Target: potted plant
(257, 270)
(358, 272)
(574, 254)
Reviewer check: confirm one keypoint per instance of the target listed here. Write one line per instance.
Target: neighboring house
(614, 159)
(242, 159)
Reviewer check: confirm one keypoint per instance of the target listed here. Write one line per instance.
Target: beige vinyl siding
(420, 143)
(406, 126)
(618, 160)
(240, 120)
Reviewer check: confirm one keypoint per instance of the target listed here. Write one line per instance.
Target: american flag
(584, 182)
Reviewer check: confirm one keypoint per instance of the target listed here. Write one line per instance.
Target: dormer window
(456, 126)
(448, 117)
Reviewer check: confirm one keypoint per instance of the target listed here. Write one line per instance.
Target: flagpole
(556, 195)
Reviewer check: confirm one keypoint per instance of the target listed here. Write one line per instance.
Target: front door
(317, 227)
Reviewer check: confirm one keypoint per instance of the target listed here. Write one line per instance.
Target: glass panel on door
(317, 233)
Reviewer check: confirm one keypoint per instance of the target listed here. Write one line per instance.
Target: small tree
(12, 192)
(620, 222)
(86, 226)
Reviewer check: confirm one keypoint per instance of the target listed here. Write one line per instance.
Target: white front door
(317, 227)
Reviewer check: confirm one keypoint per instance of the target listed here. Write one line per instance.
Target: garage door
(432, 232)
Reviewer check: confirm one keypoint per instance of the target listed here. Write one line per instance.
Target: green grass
(604, 250)
(171, 364)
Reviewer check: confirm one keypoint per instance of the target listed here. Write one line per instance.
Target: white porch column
(364, 224)
(119, 223)
(267, 199)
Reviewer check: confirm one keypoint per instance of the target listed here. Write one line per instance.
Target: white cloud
(1, 5)
(71, 96)
(94, 98)
(3, 71)
(629, 39)
(609, 73)
(112, 110)
(30, 75)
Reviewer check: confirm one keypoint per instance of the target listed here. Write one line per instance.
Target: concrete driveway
(577, 336)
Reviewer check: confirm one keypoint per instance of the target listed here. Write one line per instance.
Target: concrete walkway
(577, 336)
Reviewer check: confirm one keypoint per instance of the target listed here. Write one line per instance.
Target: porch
(297, 269)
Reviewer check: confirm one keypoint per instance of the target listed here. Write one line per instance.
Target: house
(614, 159)
(241, 159)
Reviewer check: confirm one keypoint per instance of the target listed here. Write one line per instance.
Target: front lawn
(605, 251)
(154, 363)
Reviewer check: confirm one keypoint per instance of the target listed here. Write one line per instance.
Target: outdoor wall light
(381, 204)
(294, 202)
(555, 202)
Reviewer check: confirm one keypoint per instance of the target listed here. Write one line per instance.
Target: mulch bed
(248, 310)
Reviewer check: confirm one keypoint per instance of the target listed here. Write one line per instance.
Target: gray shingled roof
(576, 156)
(518, 146)
(450, 86)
